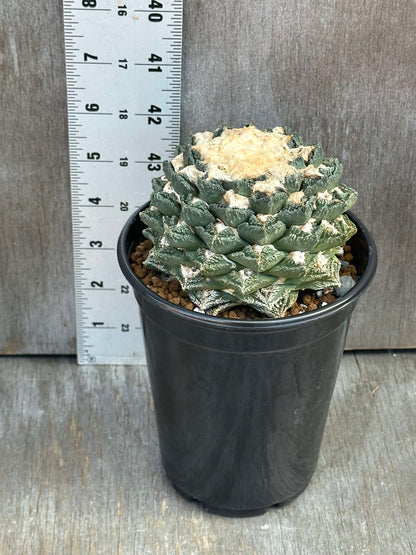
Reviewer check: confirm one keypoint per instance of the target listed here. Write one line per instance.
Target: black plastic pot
(241, 405)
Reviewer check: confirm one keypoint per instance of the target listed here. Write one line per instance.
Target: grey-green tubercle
(244, 216)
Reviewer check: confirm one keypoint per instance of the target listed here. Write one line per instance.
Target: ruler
(123, 66)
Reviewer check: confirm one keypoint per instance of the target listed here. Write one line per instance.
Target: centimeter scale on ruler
(123, 64)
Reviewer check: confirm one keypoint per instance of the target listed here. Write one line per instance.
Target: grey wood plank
(81, 471)
(334, 72)
(392, 393)
(36, 276)
(341, 72)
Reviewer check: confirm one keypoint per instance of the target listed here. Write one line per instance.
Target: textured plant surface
(244, 216)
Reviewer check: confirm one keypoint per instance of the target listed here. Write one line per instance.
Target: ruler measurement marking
(158, 11)
(156, 113)
(94, 113)
(100, 327)
(98, 289)
(106, 139)
(93, 63)
(88, 9)
(151, 65)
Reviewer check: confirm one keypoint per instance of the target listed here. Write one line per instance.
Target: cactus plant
(245, 216)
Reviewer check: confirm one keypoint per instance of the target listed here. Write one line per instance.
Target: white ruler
(123, 65)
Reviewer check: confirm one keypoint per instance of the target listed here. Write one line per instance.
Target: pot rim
(124, 251)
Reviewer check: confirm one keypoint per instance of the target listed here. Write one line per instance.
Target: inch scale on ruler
(123, 66)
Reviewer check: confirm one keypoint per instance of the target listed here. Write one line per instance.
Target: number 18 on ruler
(123, 65)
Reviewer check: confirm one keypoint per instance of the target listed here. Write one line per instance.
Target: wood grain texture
(341, 72)
(81, 470)
(36, 276)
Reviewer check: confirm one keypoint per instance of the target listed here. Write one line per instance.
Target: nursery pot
(241, 405)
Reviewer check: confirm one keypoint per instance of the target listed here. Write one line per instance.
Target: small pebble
(344, 263)
(328, 290)
(347, 283)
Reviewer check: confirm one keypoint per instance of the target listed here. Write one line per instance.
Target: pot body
(240, 413)
(241, 406)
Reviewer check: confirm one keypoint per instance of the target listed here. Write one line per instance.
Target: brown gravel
(171, 290)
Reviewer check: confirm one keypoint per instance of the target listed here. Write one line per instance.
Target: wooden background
(337, 71)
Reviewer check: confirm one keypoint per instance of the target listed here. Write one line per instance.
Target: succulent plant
(244, 216)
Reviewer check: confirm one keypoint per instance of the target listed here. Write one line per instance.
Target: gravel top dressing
(171, 290)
